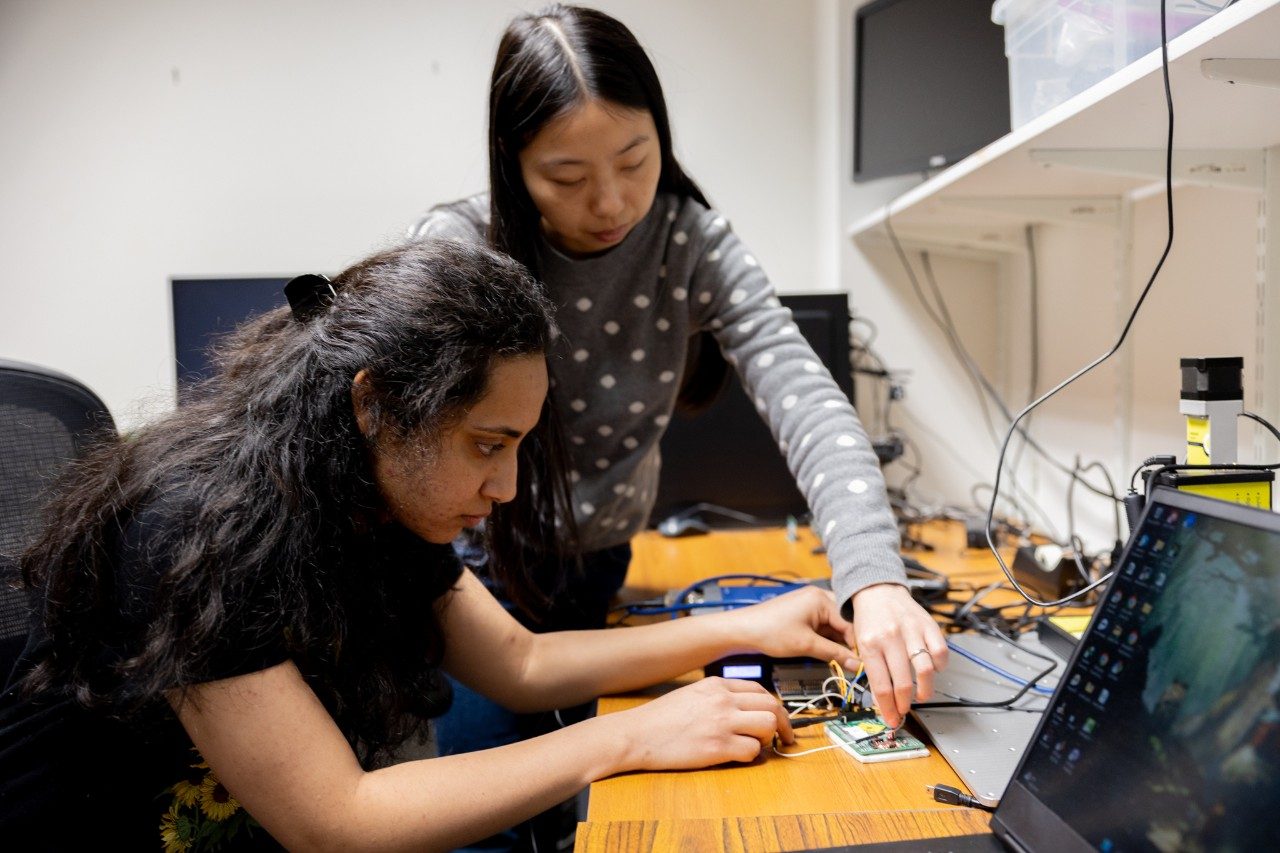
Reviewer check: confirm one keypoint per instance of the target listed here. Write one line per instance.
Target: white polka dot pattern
(846, 441)
(634, 331)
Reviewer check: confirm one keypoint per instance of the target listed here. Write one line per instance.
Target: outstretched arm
(495, 655)
(830, 455)
(276, 749)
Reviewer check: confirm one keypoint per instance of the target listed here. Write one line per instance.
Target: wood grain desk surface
(769, 834)
(823, 799)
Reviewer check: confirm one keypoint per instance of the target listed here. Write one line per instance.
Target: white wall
(145, 139)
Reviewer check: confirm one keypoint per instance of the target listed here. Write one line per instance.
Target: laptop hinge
(1012, 843)
(1005, 837)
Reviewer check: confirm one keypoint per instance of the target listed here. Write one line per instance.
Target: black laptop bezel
(1022, 820)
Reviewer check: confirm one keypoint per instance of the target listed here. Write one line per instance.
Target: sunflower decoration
(186, 791)
(215, 800)
(202, 814)
(175, 831)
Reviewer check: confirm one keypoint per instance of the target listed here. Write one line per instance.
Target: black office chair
(46, 419)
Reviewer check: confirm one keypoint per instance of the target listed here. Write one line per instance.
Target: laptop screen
(1165, 731)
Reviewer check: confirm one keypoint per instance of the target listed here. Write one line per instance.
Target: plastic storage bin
(1058, 48)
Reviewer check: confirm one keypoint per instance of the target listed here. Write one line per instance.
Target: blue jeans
(473, 722)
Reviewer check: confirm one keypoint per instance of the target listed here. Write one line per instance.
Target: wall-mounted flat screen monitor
(931, 85)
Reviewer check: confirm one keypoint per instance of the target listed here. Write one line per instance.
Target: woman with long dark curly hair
(265, 576)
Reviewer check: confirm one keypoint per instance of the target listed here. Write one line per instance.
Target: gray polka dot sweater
(626, 317)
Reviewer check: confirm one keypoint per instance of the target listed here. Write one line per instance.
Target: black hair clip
(309, 295)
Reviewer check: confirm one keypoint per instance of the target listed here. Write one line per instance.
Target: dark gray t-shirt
(626, 317)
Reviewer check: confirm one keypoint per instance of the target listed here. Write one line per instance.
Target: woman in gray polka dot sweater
(586, 192)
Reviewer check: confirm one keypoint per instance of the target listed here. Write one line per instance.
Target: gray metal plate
(984, 745)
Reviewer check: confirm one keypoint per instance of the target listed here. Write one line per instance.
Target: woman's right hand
(710, 722)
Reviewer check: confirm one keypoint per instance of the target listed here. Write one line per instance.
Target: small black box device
(1047, 570)
(791, 678)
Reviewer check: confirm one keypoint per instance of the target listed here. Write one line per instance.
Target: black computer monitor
(726, 455)
(204, 309)
(931, 84)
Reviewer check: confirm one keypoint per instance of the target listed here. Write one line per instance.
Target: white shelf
(1076, 161)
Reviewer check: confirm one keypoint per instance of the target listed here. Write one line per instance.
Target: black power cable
(1124, 333)
(1267, 424)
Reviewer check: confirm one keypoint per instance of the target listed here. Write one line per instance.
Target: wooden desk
(790, 832)
(774, 803)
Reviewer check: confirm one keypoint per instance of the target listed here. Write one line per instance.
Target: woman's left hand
(896, 639)
(802, 623)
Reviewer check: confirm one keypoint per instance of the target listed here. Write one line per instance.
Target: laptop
(1164, 731)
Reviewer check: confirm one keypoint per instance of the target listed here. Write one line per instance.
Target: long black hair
(267, 487)
(549, 63)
